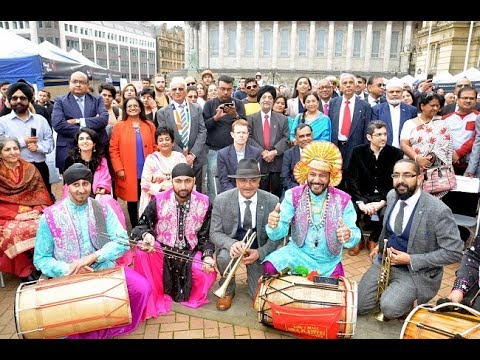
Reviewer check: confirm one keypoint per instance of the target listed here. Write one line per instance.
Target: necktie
(347, 120)
(398, 225)
(184, 121)
(81, 105)
(247, 218)
(377, 101)
(266, 133)
(325, 109)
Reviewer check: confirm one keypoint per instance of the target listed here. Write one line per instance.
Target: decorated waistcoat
(62, 228)
(336, 204)
(167, 219)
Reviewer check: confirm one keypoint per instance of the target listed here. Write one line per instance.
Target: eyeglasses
(381, 85)
(191, 83)
(133, 106)
(17, 98)
(192, 96)
(406, 176)
(463, 85)
(81, 82)
(461, 97)
(326, 87)
(177, 89)
(252, 87)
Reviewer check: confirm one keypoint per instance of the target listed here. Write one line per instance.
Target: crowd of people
(204, 168)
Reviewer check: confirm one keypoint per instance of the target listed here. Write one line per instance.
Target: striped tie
(184, 122)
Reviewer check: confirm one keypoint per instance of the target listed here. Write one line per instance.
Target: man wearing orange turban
(322, 217)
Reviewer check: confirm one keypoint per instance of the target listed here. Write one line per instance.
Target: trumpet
(383, 278)
(234, 263)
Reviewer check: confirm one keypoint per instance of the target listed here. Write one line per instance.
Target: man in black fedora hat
(235, 211)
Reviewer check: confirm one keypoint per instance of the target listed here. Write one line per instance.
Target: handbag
(439, 178)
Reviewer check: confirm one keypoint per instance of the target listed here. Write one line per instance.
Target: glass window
(14, 24)
(213, 42)
(284, 41)
(394, 45)
(375, 44)
(267, 42)
(357, 43)
(338, 42)
(249, 42)
(231, 37)
(20, 23)
(302, 42)
(320, 43)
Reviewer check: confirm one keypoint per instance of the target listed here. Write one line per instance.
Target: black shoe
(34, 276)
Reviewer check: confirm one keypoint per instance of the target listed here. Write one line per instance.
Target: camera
(33, 132)
(228, 104)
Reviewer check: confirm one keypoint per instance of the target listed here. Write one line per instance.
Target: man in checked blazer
(196, 152)
(228, 227)
(424, 240)
(67, 117)
(272, 155)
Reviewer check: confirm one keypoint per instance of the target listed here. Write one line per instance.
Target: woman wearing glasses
(132, 141)
(426, 139)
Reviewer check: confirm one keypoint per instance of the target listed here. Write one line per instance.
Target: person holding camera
(218, 121)
(32, 130)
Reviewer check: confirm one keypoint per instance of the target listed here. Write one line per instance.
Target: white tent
(445, 77)
(84, 60)
(471, 74)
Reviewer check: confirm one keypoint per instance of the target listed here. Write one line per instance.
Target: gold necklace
(315, 210)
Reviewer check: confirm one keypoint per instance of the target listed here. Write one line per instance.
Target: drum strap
(101, 224)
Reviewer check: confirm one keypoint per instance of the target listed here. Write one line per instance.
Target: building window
(213, 42)
(376, 44)
(1, 24)
(231, 37)
(320, 51)
(267, 42)
(7, 26)
(40, 25)
(27, 24)
(50, 39)
(42, 39)
(338, 42)
(394, 45)
(14, 24)
(249, 43)
(57, 41)
(20, 23)
(357, 43)
(284, 42)
(48, 24)
(302, 42)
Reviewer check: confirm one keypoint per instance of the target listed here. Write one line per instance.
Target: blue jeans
(212, 180)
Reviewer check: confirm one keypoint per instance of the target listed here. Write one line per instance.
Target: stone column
(349, 53)
(275, 45)
(311, 45)
(187, 32)
(368, 47)
(388, 45)
(256, 45)
(330, 45)
(238, 52)
(203, 48)
(293, 45)
(221, 44)
(406, 48)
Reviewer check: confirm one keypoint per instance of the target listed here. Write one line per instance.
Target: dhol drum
(325, 310)
(73, 304)
(432, 322)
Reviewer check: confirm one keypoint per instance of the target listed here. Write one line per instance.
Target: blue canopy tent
(19, 59)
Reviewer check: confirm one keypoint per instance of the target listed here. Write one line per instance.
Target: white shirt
(407, 210)
(253, 208)
(269, 118)
(395, 116)
(351, 105)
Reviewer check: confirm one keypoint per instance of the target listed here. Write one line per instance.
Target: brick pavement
(239, 322)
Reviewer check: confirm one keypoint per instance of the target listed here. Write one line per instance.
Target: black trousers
(42, 168)
(272, 183)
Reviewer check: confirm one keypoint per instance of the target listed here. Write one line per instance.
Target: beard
(318, 191)
(394, 102)
(408, 193)
(182, 194)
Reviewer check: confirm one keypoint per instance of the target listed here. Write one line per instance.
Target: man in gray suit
(193, 145)
(422, 238)
(235, 211)
(269, 132)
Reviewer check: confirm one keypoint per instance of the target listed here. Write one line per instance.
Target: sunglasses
(251, 87)
(191, 83)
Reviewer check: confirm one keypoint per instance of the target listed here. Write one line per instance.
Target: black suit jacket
(290, 159)
(450, 108)
(367, 174)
